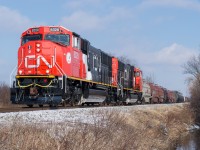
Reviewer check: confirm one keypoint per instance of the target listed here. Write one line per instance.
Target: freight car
(157, 94)
(179, 97)
(146, 93)
(58, 66)
(152, 93)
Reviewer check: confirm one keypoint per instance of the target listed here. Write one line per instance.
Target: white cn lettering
(38, 59)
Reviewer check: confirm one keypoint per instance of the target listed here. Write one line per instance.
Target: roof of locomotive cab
(45, 29)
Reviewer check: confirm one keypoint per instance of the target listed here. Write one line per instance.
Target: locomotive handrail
(24, 86)
(57, 65)
(11, 76)
(32, 76)
(44, 86)
(59, 69)
(11, 83)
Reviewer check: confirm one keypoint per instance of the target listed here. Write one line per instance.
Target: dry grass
(139, 129)
(19, 137)
(4, 95)
(160, 128)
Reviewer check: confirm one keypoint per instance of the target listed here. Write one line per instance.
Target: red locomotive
(56, 65)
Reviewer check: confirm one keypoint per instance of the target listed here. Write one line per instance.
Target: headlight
(20, 72)
(47, 71)
(38, 49)
(38, 45)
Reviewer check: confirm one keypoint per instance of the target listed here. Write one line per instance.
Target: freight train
(58, 66)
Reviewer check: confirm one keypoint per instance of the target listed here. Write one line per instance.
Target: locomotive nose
(35, 58)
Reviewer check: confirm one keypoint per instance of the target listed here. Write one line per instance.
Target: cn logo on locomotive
(38, 61)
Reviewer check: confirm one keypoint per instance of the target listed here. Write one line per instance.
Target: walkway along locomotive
(56, 65)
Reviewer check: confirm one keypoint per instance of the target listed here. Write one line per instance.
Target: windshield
(28, 38)
(137, 74)
(62, 39)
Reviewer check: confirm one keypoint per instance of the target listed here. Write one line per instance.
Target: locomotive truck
(58, 66)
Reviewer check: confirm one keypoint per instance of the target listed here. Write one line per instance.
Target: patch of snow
(193, 127)
(81, 115)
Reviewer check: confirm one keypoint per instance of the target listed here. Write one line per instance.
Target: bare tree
(150, 78)
(4, 94)
(127, 60)
(192, 67)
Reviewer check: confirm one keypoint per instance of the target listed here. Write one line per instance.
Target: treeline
(192, 67)
(4, 94)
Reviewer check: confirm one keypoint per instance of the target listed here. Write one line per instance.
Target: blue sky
(159, 36)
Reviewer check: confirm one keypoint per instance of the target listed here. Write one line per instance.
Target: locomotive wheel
(143, 101)
(119, 103)
(139, 102)
(64, 103)
(152, 101)
(30, 106)
(104, 103)
(72, 102)
(86, 92)
(53, 106)
(80, 99)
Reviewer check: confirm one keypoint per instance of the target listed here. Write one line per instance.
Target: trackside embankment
(134, 127)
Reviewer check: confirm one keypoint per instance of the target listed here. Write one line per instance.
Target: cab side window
(125, 74)
(137, 74)
(76, 42)
(95, 62)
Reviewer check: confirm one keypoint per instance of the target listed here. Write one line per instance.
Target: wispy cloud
(174, 54)
(186, 4)
(82, 21)
(87, 21)
(12, 20)
(78, 4)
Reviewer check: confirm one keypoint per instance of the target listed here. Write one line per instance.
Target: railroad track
(26, 108)
(17, 108)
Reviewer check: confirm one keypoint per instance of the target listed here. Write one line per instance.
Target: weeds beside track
(141, 129)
